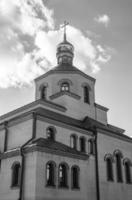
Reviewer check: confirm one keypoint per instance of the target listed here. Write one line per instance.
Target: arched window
(43, 92)
(16, 173)
(73, 141)
(91, 146)
(82, 144)
(109, 167)
(63, 175)
(75, 177)
(65, 86)
(127, 166)
(118, 157)
(50, 174)
(86, 94)
(50, 132)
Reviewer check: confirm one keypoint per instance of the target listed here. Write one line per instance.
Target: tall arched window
(73, 141)
(50, 132)
(75, 177)
(118, 157)
(82, 144)
(50, 174)
(91, 146)
(86, 94)
(16, 173)
(127, 166)
(65, 86)
(63, 175)
(43, 92)
(109, 167)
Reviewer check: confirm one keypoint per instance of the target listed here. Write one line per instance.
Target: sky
(101, 32)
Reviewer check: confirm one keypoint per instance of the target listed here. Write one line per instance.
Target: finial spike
(64, 26)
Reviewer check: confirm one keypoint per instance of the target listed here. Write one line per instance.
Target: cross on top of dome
(65, 50)
(64, 26)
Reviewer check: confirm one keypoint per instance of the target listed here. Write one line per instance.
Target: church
(61, 146)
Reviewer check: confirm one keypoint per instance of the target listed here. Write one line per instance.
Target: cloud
(103, 19)
(28, 43)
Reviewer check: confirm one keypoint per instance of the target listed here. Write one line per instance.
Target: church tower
(67, 86)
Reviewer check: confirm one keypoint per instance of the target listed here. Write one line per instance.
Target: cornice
(28, 108)
(53, 71)
(64, 125)
(101, 107)
(113, 134)
(33, 148)
(10, 153)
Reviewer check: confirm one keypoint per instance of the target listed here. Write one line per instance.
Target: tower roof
(65, 50)
(65, 68)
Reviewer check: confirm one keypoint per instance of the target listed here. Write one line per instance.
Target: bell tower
(65, 50)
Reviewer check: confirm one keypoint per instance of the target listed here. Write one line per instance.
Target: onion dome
(65, 52)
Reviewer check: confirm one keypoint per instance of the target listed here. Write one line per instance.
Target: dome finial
(65, 50)
(64, 26)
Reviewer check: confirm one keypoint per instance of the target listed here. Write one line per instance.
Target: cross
(64, 26)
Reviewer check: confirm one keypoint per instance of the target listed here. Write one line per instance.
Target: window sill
(120, 181)
(14, 187)
(75, 188)
(63, 187)
(110, 180)
(129, 183)
(50, 186)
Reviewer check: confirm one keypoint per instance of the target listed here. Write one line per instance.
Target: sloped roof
(65, 68)
(56, 147)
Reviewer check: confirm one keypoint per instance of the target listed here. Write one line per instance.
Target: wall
(75, 108)
(87, 179)
(6, 192)
(19, 133)
(2, 140)
(113, 190)
(62, 134)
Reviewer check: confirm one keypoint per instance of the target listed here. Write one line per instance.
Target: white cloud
(29, 39)
(103, 19)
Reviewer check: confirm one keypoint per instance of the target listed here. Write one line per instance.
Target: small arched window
(43, 92)
(16, 173)
(91, 146)
(75, 177)
(82, 144)
(118, 157)
(86, 94)
(65, 86)
(63, 175)
(127, 166)
(50, 132)
(73, 141)
(109, 168)
(50, 174)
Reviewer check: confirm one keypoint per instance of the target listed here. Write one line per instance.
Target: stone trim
(10, 153)
(101, 107)
(61, 93)
(64, 80)
(6, 136)
(86, 84)
(43, 85)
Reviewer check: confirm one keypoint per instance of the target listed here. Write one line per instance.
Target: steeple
(65, 50)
